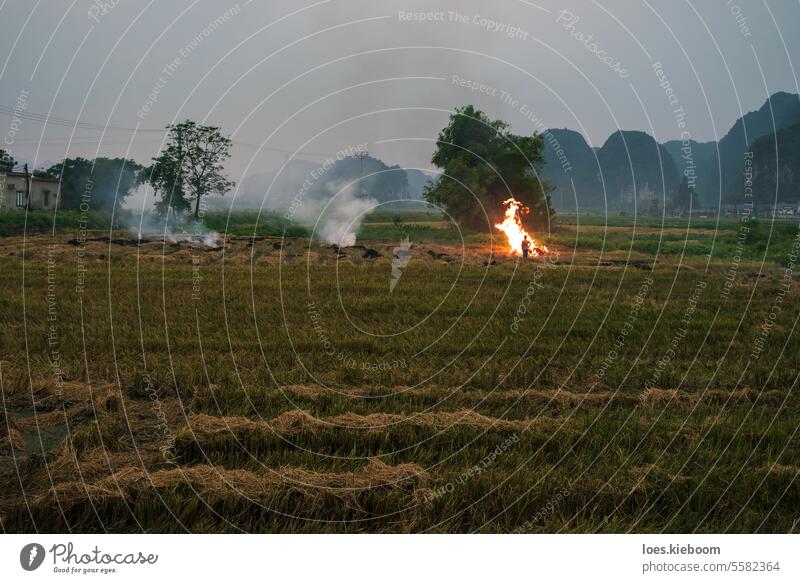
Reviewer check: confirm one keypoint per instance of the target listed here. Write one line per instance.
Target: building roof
(23, 175)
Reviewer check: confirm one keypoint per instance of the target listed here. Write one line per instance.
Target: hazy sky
(328, 75)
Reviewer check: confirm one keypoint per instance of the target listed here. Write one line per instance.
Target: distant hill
(378, 181)
(635, 167)
(701, 151)
(316, 180)
(780, 111)
(626, 158)
(569, 159)
(776, 175)
(417, 181)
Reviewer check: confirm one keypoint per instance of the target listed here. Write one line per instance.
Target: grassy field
(642, 378)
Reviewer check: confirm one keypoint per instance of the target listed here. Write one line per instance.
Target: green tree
(189, 167)
(7, 162)
(166, 180)
(483, 164)
(107, 181)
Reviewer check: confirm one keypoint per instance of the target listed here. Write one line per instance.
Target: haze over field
(321, 77)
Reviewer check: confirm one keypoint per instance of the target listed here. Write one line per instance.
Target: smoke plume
(331, 202)
(172, 228)
(340, 218)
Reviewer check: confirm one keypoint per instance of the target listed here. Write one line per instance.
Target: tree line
(188, 168)
(482, 165)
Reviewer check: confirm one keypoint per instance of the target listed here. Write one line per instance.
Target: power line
(282, 151)
(64, 122)
(83, 140)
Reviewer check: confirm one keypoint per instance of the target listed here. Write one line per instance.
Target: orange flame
(514, 231)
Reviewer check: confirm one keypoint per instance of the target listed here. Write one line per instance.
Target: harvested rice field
(269, 384)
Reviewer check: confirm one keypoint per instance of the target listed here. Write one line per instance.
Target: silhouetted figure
(526, 247)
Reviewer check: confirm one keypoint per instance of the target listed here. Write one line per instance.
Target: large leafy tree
(166, 179)
(483, 164)
(189, 167)
(106, 182)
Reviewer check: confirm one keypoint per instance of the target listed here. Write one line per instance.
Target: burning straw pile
(515, 233)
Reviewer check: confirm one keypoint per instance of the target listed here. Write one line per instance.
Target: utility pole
(27, 188)
(179, 140)
(361, 155)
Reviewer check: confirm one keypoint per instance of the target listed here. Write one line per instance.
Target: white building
(21, 190)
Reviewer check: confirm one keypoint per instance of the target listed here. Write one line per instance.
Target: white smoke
(311, 194)
(207, 238)
(173, 228)
(340, 218)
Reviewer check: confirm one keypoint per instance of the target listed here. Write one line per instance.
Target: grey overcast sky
(326, 75)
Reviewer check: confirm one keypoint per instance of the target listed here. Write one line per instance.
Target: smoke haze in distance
(318, 75)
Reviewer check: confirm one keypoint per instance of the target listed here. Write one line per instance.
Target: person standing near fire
(526, 247)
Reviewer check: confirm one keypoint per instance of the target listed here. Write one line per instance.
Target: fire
(514, 231)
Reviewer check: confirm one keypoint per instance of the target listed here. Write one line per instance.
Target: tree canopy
(189, 167)
(483, 164)
(107, 181)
